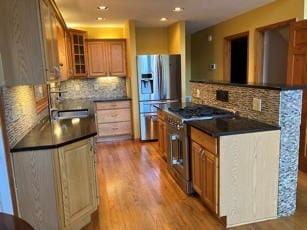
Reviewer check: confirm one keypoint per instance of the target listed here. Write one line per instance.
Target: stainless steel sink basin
(68, 114)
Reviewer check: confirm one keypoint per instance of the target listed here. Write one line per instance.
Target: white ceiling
(198, 14)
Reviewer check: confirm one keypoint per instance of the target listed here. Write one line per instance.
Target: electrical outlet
(222, 95)
(197, 93)
(257, 104)
(96, 87)
(77, 87)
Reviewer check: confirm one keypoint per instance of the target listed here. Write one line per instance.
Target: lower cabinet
(56, 188)
(113, 120)
(204, 170)
(236, 176)
(162, 134)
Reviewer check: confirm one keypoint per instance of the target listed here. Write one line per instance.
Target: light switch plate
(77, 87)
(257, 104)
(96, 87)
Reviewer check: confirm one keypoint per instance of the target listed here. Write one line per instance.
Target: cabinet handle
(114, 128)
(202, 154)
(114, 115)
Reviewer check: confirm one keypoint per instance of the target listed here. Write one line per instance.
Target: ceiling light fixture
(163, 19)
(178, 9)
(102, 7)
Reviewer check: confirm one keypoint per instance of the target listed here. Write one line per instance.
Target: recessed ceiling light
(102, 7)
(163, 19)
(100, 19)
(178, 9)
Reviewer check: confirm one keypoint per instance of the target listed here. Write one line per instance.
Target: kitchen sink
(68, 114)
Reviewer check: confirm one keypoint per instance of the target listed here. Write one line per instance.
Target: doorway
(271, 60)
(236, 62)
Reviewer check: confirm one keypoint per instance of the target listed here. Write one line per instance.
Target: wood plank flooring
(137, 192)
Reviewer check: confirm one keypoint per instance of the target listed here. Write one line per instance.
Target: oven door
(176, 151)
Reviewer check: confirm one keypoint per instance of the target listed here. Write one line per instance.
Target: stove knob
(179, 126)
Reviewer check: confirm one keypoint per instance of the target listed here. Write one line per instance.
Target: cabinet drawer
(208, 142)
(113, 105)
(113, 129)
(105, 116)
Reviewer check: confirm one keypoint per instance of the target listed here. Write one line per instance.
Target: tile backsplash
(103, 87)
(241, 100)
(20, 111)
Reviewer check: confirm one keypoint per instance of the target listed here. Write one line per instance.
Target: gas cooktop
(199, 112)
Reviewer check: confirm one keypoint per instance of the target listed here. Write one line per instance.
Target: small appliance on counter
(159, 81)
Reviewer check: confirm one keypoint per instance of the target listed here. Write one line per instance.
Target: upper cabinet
(107, 57)
(21, 43)
(32, 43)
(79, 68)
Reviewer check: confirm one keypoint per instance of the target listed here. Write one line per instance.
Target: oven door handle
(172, 138)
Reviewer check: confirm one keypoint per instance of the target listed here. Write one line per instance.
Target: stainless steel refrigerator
(159, 81)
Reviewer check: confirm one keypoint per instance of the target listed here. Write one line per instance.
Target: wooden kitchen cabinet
(56, 188)
(106, 57)
(78, 51)
(21, 43)
(205, 168)
(76, 182)
(236, 176)
(113, 120)
(162, 134)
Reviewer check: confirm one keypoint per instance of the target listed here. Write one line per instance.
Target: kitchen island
(233, 161)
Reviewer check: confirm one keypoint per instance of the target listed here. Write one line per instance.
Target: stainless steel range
(178, 142)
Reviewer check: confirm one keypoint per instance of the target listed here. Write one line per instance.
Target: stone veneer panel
(20, 112)
(282, 108)
(289, 121)
(103, 87)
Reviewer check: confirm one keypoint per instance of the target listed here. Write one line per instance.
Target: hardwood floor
(136, 192)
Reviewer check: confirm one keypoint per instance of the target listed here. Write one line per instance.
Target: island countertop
(230, 126)
(280, 87)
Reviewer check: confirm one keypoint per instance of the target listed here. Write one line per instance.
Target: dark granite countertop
(254, 85)
(110, 99)
(165, 106)
(53, 134)
(230, 126)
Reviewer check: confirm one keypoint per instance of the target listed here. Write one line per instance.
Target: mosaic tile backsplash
(104, 87)
(20, 112)
(281, 108)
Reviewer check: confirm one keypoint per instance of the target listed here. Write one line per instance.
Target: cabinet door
(97, 59)
(210, 180)
(117, 58)
(61, 50)
(197, 152)
(160, 136)
(78, 53)
(77, 183)
(21, 43)
(50, 41)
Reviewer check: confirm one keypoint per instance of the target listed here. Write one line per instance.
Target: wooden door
(117, 57)
(77, 183)
(197, 152)
(210, 180)
(297, 75)
(97, 58)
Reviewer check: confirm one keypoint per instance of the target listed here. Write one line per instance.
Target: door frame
(227, 54)
(259, 44)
